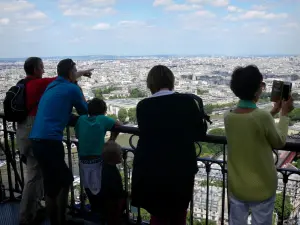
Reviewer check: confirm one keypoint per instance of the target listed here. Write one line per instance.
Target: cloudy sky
(148, 27)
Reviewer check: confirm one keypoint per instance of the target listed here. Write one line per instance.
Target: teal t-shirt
(90, 131)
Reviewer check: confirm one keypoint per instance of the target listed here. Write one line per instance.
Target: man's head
(112, 153)
(34, 66)
(247, 83)
(160, 77)
(97, 107)
(66, 68)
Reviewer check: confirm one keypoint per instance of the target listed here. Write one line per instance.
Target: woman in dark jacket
(165, 163)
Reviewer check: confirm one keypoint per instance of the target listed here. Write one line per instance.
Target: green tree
(295, 114)
(98, 93)
(201, 92)
(145, 215)
(298, 163)
(113, 116)
(122, 115)
(288, 207)
(132, 115)
(137, 93)
(217, 132)
(209, 108)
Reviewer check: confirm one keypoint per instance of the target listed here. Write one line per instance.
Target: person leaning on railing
(251, 135)
(100, 177)
(165, 163)
(53, 115)
(33, 188)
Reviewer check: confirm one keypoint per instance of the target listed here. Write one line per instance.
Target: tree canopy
(217, 132)
(122, 115)
(288, 207)
(209, 108)
(137, 93)
(132, 115)
(113, 116)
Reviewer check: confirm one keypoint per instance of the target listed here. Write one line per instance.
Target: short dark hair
(160, 77)
(112, 152)
(64, 67)
(245, 82)
(31, 64)
(96, 107)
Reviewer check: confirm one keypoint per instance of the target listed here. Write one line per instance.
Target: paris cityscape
(121, 81)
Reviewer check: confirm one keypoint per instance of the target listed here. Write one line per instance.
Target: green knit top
(252, 173)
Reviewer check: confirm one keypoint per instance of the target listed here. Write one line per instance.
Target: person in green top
(251, 135)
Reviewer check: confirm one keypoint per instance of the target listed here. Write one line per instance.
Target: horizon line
(160, 55)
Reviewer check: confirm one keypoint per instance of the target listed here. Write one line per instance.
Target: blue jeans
(261, 212)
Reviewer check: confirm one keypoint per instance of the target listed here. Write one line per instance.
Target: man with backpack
(20, 105)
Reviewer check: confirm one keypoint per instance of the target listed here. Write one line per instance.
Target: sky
(148, 27)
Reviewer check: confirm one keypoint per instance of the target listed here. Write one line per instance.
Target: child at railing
(97, 161)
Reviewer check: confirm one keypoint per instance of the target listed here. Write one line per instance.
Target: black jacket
(165, 159)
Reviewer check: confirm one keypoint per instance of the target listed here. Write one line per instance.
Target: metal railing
(210, 202)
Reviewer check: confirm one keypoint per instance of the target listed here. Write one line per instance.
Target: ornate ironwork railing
(209, 205)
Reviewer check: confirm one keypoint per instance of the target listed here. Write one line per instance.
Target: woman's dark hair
(160, 77)
(64, 67)
(96, 107)
(30, 64)
(245, 82)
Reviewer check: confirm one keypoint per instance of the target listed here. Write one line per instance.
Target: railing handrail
(291, 144)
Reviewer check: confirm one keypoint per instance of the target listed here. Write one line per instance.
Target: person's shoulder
(73, 88)
(104, 118)
(262, 113)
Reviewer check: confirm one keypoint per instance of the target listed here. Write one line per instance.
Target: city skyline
(149, 27)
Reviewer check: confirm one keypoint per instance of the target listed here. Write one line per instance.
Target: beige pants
(33, 185)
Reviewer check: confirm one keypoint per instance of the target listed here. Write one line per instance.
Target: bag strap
(199, 102)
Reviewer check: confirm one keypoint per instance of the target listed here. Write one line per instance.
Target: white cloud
(263, 30)
(255, 14)
(37, 15)
(232, 8)
(292, 25)
(88, 11)
(131, 23)
(4, 21)
(15, 6)
(259, 7)
(182, 7)
(34, 28)
(220, 3)
(231, 17)
(87, 8)
(216, 3)
(22, 15)
(101, 26)
(205, 14)
(76, 39)
(162, 2)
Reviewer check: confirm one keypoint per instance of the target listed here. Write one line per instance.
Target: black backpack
(14, 103)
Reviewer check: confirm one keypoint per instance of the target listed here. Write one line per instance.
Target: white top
(162, 93)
